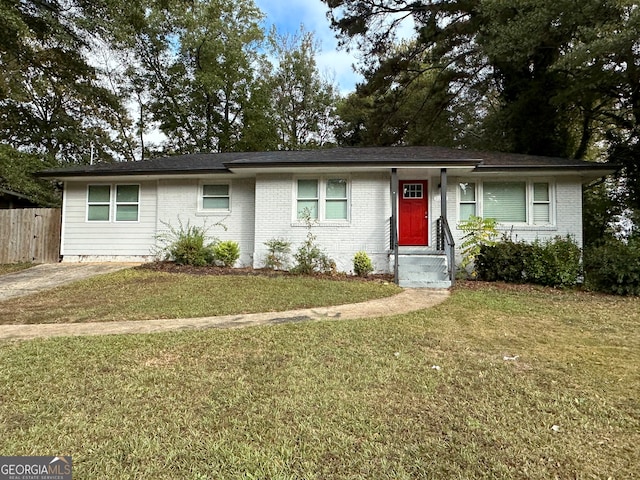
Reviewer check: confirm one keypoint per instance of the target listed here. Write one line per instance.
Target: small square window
(216, 197)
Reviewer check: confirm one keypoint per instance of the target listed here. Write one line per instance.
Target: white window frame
(322, 199)
(89, 203)
(213, 211)
(461, 202)
(113, 202)
(549, 202)
(116, 203)
(529, 200)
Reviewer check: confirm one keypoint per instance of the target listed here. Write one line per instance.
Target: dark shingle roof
(361, 157)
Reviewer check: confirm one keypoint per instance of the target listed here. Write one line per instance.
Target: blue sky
(288, 15)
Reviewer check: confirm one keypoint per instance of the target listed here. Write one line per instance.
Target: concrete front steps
(423, 270)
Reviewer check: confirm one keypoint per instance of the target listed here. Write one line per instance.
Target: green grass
(134, 294)
(345, 399)
(13, 267)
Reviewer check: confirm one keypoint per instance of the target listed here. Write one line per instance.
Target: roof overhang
(421, 160)
(73, 174)
(339, 166)
(586, 173)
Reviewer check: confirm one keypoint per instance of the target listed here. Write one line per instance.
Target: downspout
(394, 221)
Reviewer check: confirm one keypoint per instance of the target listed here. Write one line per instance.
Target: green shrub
(186, 245)
(362, 265)
(309, 257)
(226, 253)
(277, 257)
(552, 263)
(503, 261)
(614, 267)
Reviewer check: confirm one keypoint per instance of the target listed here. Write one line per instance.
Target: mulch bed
(172, 267)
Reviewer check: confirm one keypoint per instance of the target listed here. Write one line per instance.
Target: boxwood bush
(362, 264)
(226, 253)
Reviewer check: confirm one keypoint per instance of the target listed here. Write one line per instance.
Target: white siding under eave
(125, 241)
(367, 228)
(178, 204)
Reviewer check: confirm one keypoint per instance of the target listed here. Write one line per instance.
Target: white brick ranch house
(401, 205)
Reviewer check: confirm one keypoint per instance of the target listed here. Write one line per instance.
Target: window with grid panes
(122, 200)
(307, 199)
(325, 198)
(336, 199)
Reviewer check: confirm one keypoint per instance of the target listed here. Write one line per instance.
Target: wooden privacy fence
(30, 235)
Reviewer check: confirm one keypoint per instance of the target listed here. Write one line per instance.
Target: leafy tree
(413, 105)
(604, 210)
(51, 103)
(197, 75)
(496, 56)
(303, 101)
(547, 77)
(16, 174)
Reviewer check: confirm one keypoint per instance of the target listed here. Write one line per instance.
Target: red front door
(413, 208)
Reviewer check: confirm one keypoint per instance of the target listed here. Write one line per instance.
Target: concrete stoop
(423, 271)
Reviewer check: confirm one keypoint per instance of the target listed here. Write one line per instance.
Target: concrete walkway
(406, 301)
(50, 275)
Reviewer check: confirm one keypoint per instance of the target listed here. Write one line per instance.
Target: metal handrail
(446, 243)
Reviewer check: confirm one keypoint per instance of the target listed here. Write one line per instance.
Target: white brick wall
(263, 209)
(178, 202)
(567, 193)
(367, 229)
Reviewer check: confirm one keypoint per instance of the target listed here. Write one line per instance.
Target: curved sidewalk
(408, 300)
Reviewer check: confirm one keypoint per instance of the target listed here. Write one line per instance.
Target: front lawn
(493, 383)
(141, 294)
